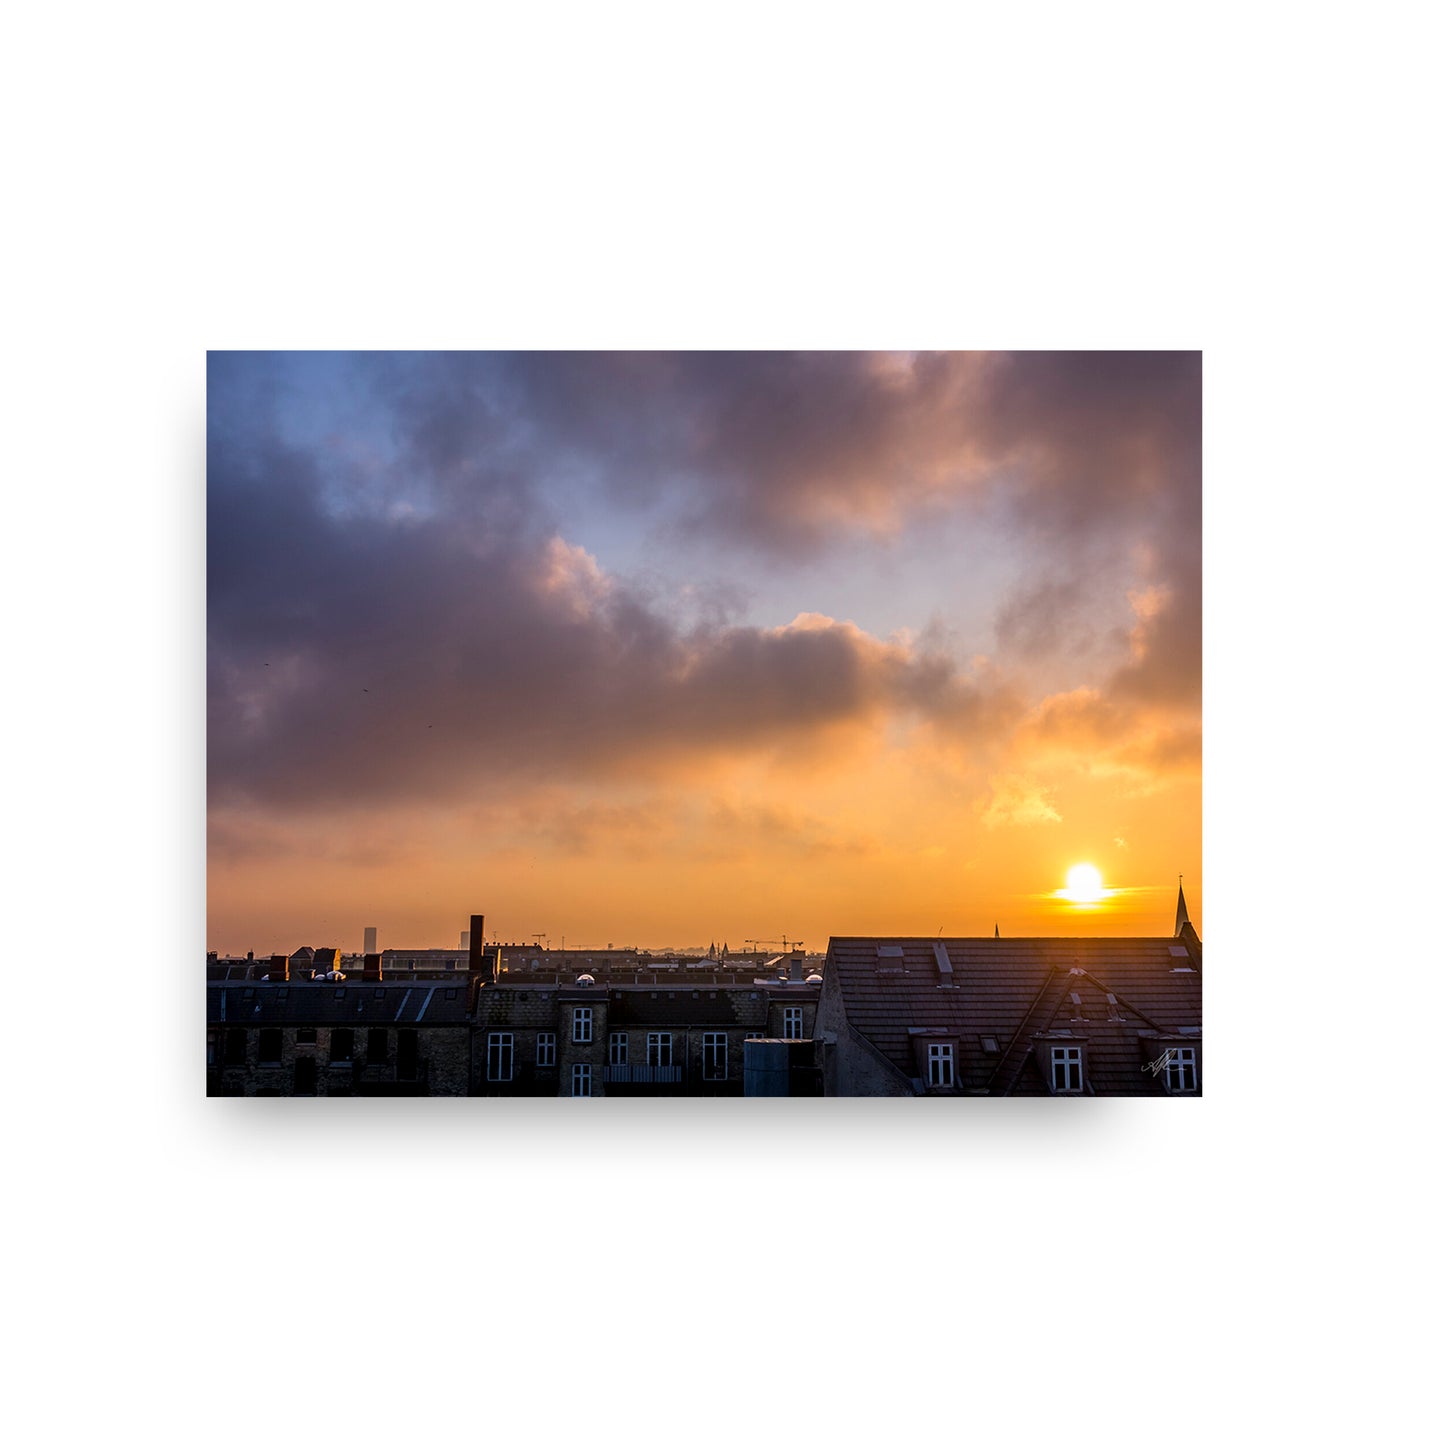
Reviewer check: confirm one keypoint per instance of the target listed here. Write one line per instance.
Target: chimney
(795, 969)
(369, 945)
(280, 969)
(481, 963)
(371, 968)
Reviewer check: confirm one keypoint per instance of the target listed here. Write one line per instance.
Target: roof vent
(890, 958)
(945, 964)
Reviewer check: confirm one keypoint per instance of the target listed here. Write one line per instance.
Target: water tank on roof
(765, 1068)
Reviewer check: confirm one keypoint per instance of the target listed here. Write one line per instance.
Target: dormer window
(1066, 1069)
(1181, 1073)
(940, 1066)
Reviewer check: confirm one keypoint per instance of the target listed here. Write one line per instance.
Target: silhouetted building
(353, 1037)
(1113, 1016)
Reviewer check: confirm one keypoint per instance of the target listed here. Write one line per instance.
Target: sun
(1085, 884)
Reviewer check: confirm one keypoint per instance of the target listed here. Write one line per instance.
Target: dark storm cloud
(782, 449)
(392, 611)
(1091, 458)
(355, 657)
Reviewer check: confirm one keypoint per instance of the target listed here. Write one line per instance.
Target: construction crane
(749, 942)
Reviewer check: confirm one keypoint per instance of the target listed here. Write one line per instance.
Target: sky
(667, 649)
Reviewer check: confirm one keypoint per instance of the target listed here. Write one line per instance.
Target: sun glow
(1085, 884)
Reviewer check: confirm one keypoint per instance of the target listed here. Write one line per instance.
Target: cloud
(1017, 801)
(398, 610)
(360, 657)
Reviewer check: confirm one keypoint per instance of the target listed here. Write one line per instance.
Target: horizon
(644, 645)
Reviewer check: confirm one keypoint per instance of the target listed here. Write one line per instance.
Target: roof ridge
(1107, 989)
(1005, 1075)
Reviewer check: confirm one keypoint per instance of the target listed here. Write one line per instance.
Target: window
(714, 1056)
(617, 1050)
(376, 1046)
(270, 1046)
(1180, 1073)
(235, 1046)
(305, 1036)
(581, 1081)
(499, 1058)
(1068, 1068)
(343, 1043)
(304, 1081)
(546, 1051)
(793, 1022)
(581, 1025)
(659, 1051)
(406, 1054)
(940, 1066)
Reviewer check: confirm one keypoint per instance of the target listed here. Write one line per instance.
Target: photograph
(704, 724)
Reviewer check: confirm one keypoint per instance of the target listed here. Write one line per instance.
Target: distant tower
(370, 945)
(1183, 928)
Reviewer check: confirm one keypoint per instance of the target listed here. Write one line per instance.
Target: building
(268, 1032)
(995, 1016)
(668, 1036)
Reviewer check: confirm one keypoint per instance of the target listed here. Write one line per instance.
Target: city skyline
(663, 649)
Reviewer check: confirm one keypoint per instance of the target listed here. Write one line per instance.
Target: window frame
(659, 1044)
(582, 1023)
(617, 1049)
(1070, 1059)
(1175, 1067)
(501, 1051)
(941, 1071)
(793, 1021)
(546, 1050)
(582, 1072)
(716, 1044)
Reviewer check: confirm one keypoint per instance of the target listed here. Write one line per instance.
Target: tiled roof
(336, 1005)
(688, 1008)
(528, 1006)
(1011, 989)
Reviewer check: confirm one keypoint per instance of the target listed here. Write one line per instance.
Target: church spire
(995, 930)
(1181, 913)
